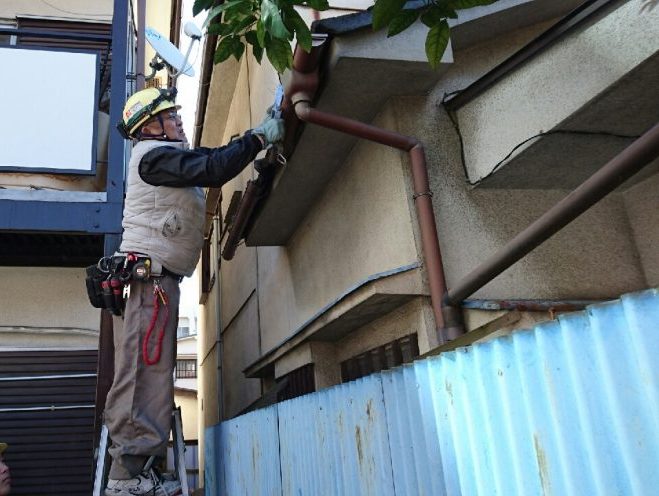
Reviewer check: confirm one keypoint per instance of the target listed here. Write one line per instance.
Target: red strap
(157, 292)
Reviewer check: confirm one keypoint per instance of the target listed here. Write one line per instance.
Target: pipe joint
(303, 86)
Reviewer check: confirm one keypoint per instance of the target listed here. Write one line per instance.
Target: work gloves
(271, 130)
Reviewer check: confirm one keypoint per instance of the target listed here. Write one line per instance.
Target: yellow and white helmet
(143, 105)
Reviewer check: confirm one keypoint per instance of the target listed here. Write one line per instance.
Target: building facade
(332, 282)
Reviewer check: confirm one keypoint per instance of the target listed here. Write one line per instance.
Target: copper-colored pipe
(448, 320)
(623, 166)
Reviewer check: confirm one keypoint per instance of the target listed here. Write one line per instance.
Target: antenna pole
(184, 66)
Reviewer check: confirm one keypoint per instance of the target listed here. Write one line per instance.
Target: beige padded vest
(165, 223)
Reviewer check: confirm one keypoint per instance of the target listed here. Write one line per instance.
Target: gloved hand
(271, 129)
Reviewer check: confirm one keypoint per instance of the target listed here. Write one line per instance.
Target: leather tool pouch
(94, 290)
(105, 281)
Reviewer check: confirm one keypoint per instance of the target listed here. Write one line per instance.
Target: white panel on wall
(49, 109)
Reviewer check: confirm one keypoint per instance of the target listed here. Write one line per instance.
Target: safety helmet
(143, 105)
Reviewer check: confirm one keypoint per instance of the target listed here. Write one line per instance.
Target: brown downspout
(300, 93)
(448, 319)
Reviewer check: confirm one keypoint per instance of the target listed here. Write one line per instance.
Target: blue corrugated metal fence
(570, 407)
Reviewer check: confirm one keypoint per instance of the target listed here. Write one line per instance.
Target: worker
(5, 477)
(164, 216)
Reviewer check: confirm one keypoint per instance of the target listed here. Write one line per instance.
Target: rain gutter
(623, 166)
(204, 85)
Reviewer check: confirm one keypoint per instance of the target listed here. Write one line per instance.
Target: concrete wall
(189, 413)
(158, 16)
(62, 9)
(46, 297)
(208, 385)
(364, 223)
(46, 308)
(535, 99)
(642, 205)
(594, 257)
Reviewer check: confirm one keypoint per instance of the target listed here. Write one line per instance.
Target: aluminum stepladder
(178, 448)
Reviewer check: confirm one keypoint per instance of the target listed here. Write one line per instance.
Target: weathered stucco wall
(364, 223)
(189, 413)
(551, 87)
(240, 347)
(360, 226)
(594, 257)
(46, 297)
(642, 203)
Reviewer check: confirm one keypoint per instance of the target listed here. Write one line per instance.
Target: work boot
(147, 483)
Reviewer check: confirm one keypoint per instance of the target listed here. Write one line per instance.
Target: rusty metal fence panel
(568, 408)
(244, 455)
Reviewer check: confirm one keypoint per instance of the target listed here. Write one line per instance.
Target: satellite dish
(192, 30)
(167, 53)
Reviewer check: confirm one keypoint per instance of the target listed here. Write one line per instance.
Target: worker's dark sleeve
(211, 167)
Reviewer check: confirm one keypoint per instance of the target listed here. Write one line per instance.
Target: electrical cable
(499, 164)
(75, 13)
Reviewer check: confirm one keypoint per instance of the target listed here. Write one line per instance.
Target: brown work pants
(139, 405)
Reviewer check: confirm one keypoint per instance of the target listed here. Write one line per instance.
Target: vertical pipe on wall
(448, 321)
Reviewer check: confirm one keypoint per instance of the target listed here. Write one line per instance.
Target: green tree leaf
(219, 29)
(318, 4)
(296, 24)
(260, 32)
(244, 23)
(384, 11)
(436, 42)
(467, 4)
(200, 5)
(436, 13)
(271, 17)
(226, 48)
(251, 38)
(257, 49)
(218, 9)
(279, 54)
(403, 20)
(238, 49)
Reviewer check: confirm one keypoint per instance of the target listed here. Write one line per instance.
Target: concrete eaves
(357, 308)
(585, 98)
(363, 70)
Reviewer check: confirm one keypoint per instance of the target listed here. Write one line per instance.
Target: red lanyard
(158, 296)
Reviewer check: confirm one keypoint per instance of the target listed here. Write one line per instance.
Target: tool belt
(106, 280)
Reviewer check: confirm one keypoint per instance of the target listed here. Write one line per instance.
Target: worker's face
(5, 479)
(173, 125)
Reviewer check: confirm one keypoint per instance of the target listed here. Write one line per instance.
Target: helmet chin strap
(161, 136)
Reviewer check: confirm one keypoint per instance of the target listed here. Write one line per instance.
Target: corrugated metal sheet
(568, 408)
(343, 436)
(245, 454)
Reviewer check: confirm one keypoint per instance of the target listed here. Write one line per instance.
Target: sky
(187, 98)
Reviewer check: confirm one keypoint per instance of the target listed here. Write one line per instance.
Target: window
(182, 331)
(186, 369)
(392, 354)
(297, 383)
